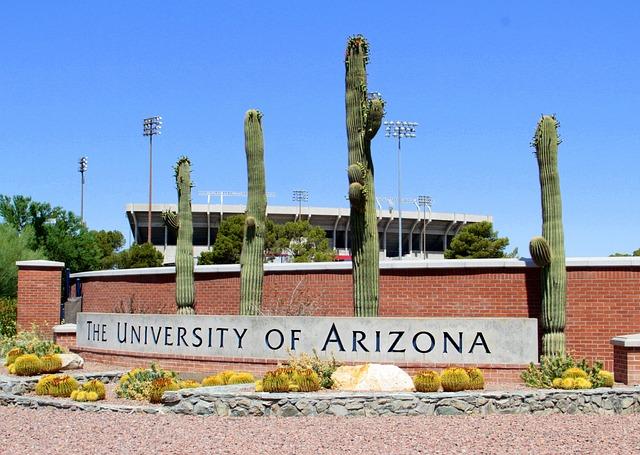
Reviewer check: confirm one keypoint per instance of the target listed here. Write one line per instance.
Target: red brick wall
(603, 302)
(39, 294)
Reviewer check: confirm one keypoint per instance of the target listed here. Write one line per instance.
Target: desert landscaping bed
(242, 400)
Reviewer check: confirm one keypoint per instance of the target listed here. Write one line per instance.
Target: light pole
(299, 196)
(425, 202)
(400, 129)
(82, 169)
(150, 127)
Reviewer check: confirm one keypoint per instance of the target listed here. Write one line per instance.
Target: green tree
(14, 247)
(60, 235)
(109, 243)
(139, 256)
(475, 241)
(305, 242)
(228, 244)
(635, 253)
(20, 212)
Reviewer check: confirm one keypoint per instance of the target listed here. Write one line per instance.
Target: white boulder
(372, 377)
(71, 361)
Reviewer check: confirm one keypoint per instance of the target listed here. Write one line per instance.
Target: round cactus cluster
(228, 377)
(96, 386)
(575, 373)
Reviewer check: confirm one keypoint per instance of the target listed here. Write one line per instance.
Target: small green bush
(553, 367)
(324, 368)
(136, 384)
(30, 342)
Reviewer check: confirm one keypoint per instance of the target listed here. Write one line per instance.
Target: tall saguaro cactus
(364, 116)
(548, 251)
(183, 225)
(251, 257)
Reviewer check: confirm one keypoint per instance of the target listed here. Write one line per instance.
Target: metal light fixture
(83, 165)
(425, 202)
(398, 129)
(151, 127)
(299, 196)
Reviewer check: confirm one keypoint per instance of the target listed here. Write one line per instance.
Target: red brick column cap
(39, 264)
(627, 341)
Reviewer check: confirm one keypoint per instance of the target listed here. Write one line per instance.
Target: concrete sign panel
(387, 340)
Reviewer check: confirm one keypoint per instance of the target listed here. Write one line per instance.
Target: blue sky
(77, 79)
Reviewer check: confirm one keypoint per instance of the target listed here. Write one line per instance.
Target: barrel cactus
(63, 385)
(476, 378)
(28, 365)
(12, 355)
(454, 379)
(241, 378)
(183, 225)
(214, 380)
(251, 257)
(364, 117)
(605, 378)
(275, 381)
(158, 387)
(549, 254)
(96, 386)
(575, 373)
(43, 386)
(51, 363)
(307, 380)
(426, 381)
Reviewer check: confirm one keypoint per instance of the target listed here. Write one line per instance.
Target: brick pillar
(39, 294)
(626, 359)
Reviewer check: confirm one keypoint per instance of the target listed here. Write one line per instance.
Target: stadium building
(424, 234)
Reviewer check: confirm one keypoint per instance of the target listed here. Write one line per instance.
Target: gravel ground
(51, 431)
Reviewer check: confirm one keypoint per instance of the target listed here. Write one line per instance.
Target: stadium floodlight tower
(425, 202)
(82, 162)
(151, 127)
(300, 196)
(398, 129)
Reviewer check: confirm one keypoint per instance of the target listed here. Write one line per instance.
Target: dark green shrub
(8, 315)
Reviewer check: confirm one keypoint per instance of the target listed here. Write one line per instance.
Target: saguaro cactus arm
(170, 218)
(251, 257)
(185, 289)
(540, 251)
(364, 116)
(554, 274)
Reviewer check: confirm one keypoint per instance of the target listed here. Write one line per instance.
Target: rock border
(241, 400)
(224, 402)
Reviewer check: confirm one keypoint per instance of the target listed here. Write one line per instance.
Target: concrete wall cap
(65, 328)
(627, 341)
(40, 263)
(384, 265)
